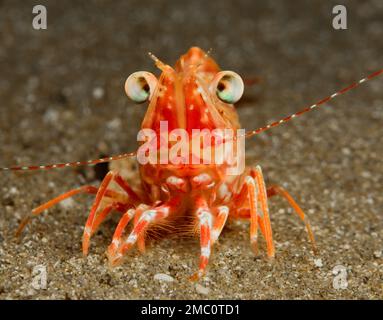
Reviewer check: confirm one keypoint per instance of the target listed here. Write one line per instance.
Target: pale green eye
(140, 86)
(228, 86)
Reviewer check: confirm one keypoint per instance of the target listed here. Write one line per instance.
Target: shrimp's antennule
(205, 57)
(69, 164)
(314, 106)
(159, 64)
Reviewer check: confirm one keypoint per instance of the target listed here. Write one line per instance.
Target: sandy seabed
(62, 99)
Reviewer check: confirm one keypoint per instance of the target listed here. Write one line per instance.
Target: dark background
(330, 159)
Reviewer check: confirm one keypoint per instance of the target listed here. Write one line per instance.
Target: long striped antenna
(314, 106)
(247, 135)
(70, 164)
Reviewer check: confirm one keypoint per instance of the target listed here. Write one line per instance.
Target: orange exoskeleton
(195, 94)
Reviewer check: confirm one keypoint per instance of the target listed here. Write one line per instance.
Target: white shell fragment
(318, 263)
(201, 289)
(163, 277)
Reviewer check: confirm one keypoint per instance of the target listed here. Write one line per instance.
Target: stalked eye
(228, 86)
(140, 86)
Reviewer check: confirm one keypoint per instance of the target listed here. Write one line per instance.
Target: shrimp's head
(194, 94)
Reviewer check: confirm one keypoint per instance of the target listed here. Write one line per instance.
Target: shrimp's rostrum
(195, 94)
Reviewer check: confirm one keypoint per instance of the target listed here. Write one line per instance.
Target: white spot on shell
(174, 180)
(202, 178)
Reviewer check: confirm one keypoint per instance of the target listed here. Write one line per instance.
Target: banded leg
(101, 217)
(148, 217)
(89, 223)
(114, 195)
(277, 190)
(253, 206)
(244, 213)
(205, 220)
(102, 192)
(47, 205)
(219, 223)
(141, 238)
(119, 231)
(105, 212)
(125, 219)
(264, 210)
(134, 197)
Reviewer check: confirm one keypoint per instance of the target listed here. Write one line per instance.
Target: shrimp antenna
(247, 135)
(70, 164)
(314, 106)
(208, 53)
(205, 57)
(159, 64)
